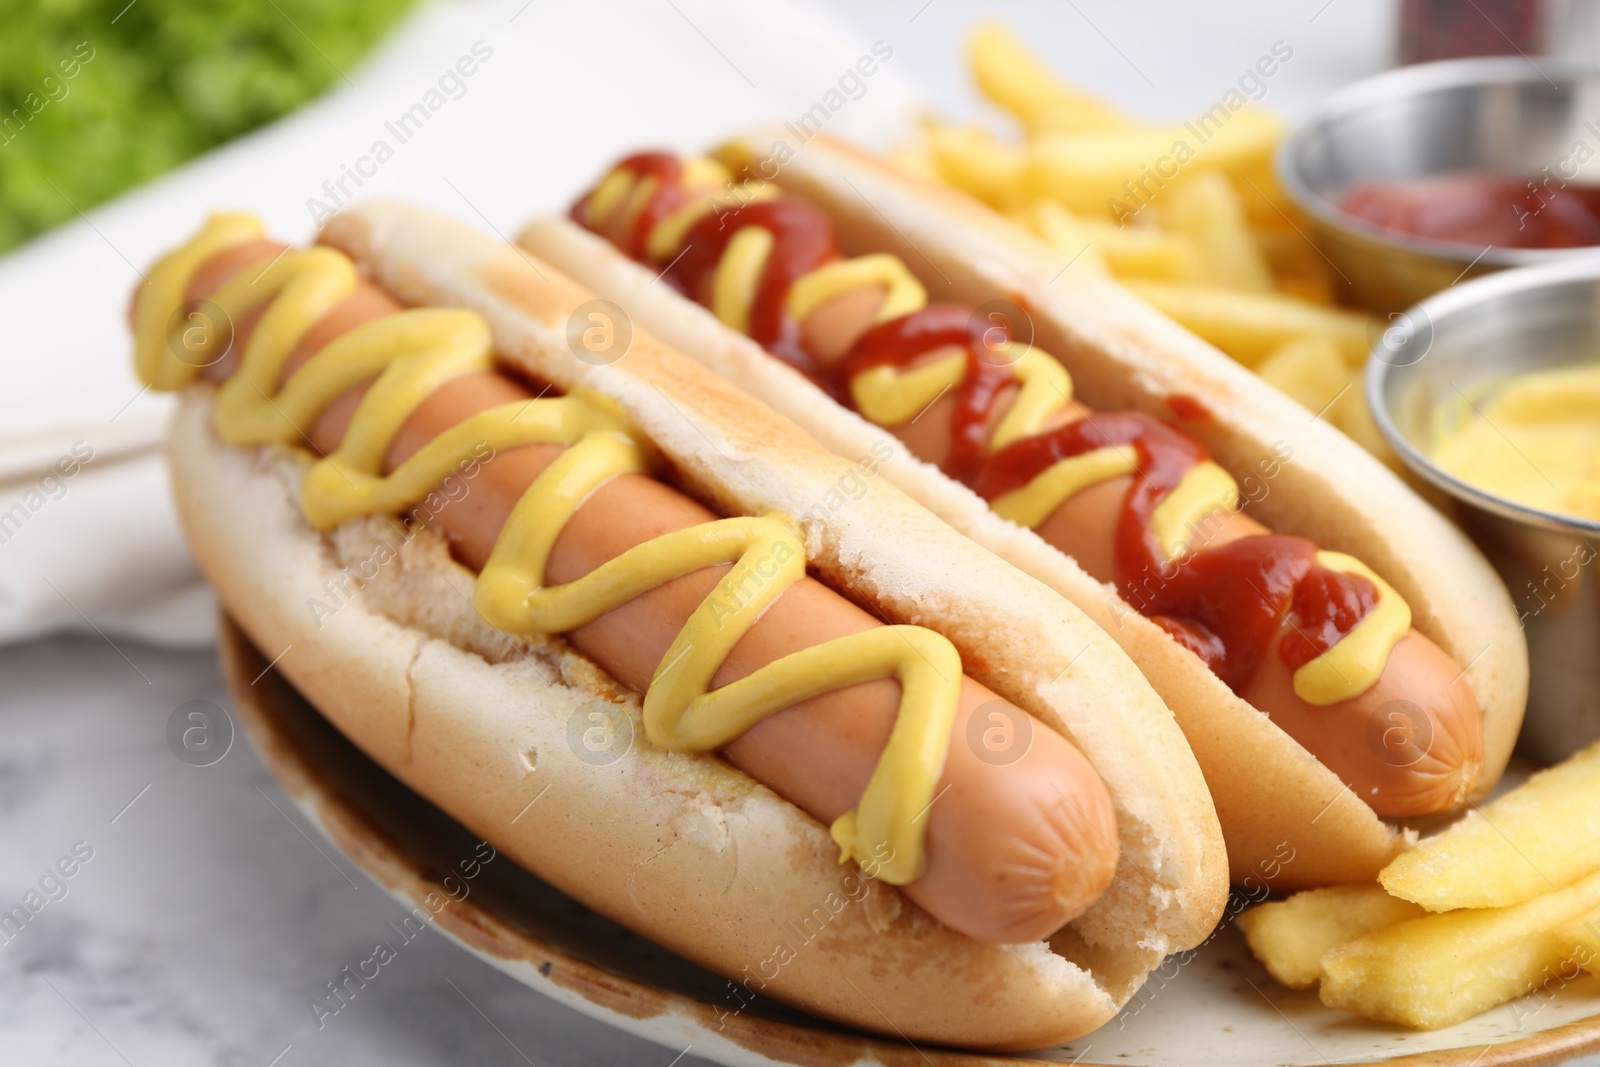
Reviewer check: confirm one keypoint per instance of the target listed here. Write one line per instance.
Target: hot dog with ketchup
(895, 328)
(625, 560)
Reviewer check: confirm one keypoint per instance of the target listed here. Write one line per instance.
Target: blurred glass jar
(1455, 29)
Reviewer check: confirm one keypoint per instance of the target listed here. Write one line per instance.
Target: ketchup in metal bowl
(1479, 208)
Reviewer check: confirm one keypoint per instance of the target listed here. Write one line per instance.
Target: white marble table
(210, 914)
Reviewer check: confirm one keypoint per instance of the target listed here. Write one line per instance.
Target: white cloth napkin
(556, 92)
(98, 549)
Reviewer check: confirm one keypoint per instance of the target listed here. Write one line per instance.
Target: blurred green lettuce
(96, 97)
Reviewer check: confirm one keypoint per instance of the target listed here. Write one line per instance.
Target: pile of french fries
(1504, 903)
(1203, 231)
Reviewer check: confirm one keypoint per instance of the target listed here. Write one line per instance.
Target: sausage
(1411, 744)
(1014, 849)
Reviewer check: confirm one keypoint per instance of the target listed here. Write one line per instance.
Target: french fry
(1206, 209)
(1310, 288)
(1010, 76)
(1063, 231)
(1297, 267)
(1251, 326)
(1125, 251)
(1288, 251)
(1223, 249)
(1242, 145)
(1310, 370)
(1441, 969)
(1351, 414)
(1579, 941)
(1543, 835)
(1096, 173)
(1290, 936)
(1266, 205)
(1145, 251)
(974, 161)
(1116, 172)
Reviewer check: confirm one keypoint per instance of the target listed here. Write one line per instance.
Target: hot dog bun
(682, 848)
(1273, 797)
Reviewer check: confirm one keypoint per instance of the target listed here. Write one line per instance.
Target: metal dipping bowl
(1466, 337)
(1503, 115)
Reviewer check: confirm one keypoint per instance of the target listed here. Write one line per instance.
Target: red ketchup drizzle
(668, 197)
(902, 341)
(1224, 603)
(1186, 408)
(1328, 605)
(802, 241)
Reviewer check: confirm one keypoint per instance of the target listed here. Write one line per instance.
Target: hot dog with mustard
(633, 566)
